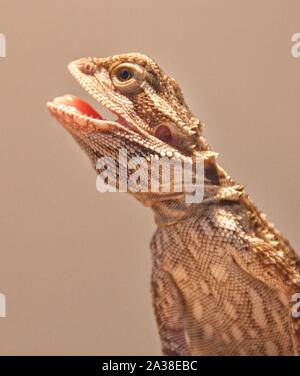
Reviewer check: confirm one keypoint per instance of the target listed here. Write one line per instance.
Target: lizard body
(223, 277)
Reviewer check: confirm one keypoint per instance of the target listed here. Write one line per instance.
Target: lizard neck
(218, 187)
(173, 208)
(171, 211)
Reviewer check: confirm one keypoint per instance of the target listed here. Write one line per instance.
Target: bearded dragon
(223, 277)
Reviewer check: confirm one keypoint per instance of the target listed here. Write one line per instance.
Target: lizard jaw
(82, 120)
(79, 116)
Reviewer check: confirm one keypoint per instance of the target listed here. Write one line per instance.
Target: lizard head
(152, 116)
(145, 100)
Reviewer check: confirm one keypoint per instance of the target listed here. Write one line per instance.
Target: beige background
(74, 263)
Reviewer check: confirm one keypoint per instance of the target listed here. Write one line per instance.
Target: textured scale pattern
(225, 309)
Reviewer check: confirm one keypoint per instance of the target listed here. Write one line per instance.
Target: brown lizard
(223, 277)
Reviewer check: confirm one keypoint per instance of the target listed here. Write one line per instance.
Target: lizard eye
(128, 78)
(124, 74)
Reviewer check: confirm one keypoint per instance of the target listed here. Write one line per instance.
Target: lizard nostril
(163, 133)
(88, 67)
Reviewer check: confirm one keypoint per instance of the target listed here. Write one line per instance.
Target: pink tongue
(79, 104)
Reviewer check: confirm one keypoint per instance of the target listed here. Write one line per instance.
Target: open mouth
(79, 114)
(78, 105)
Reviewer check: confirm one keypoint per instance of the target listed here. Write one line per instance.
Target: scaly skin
(223, 277)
